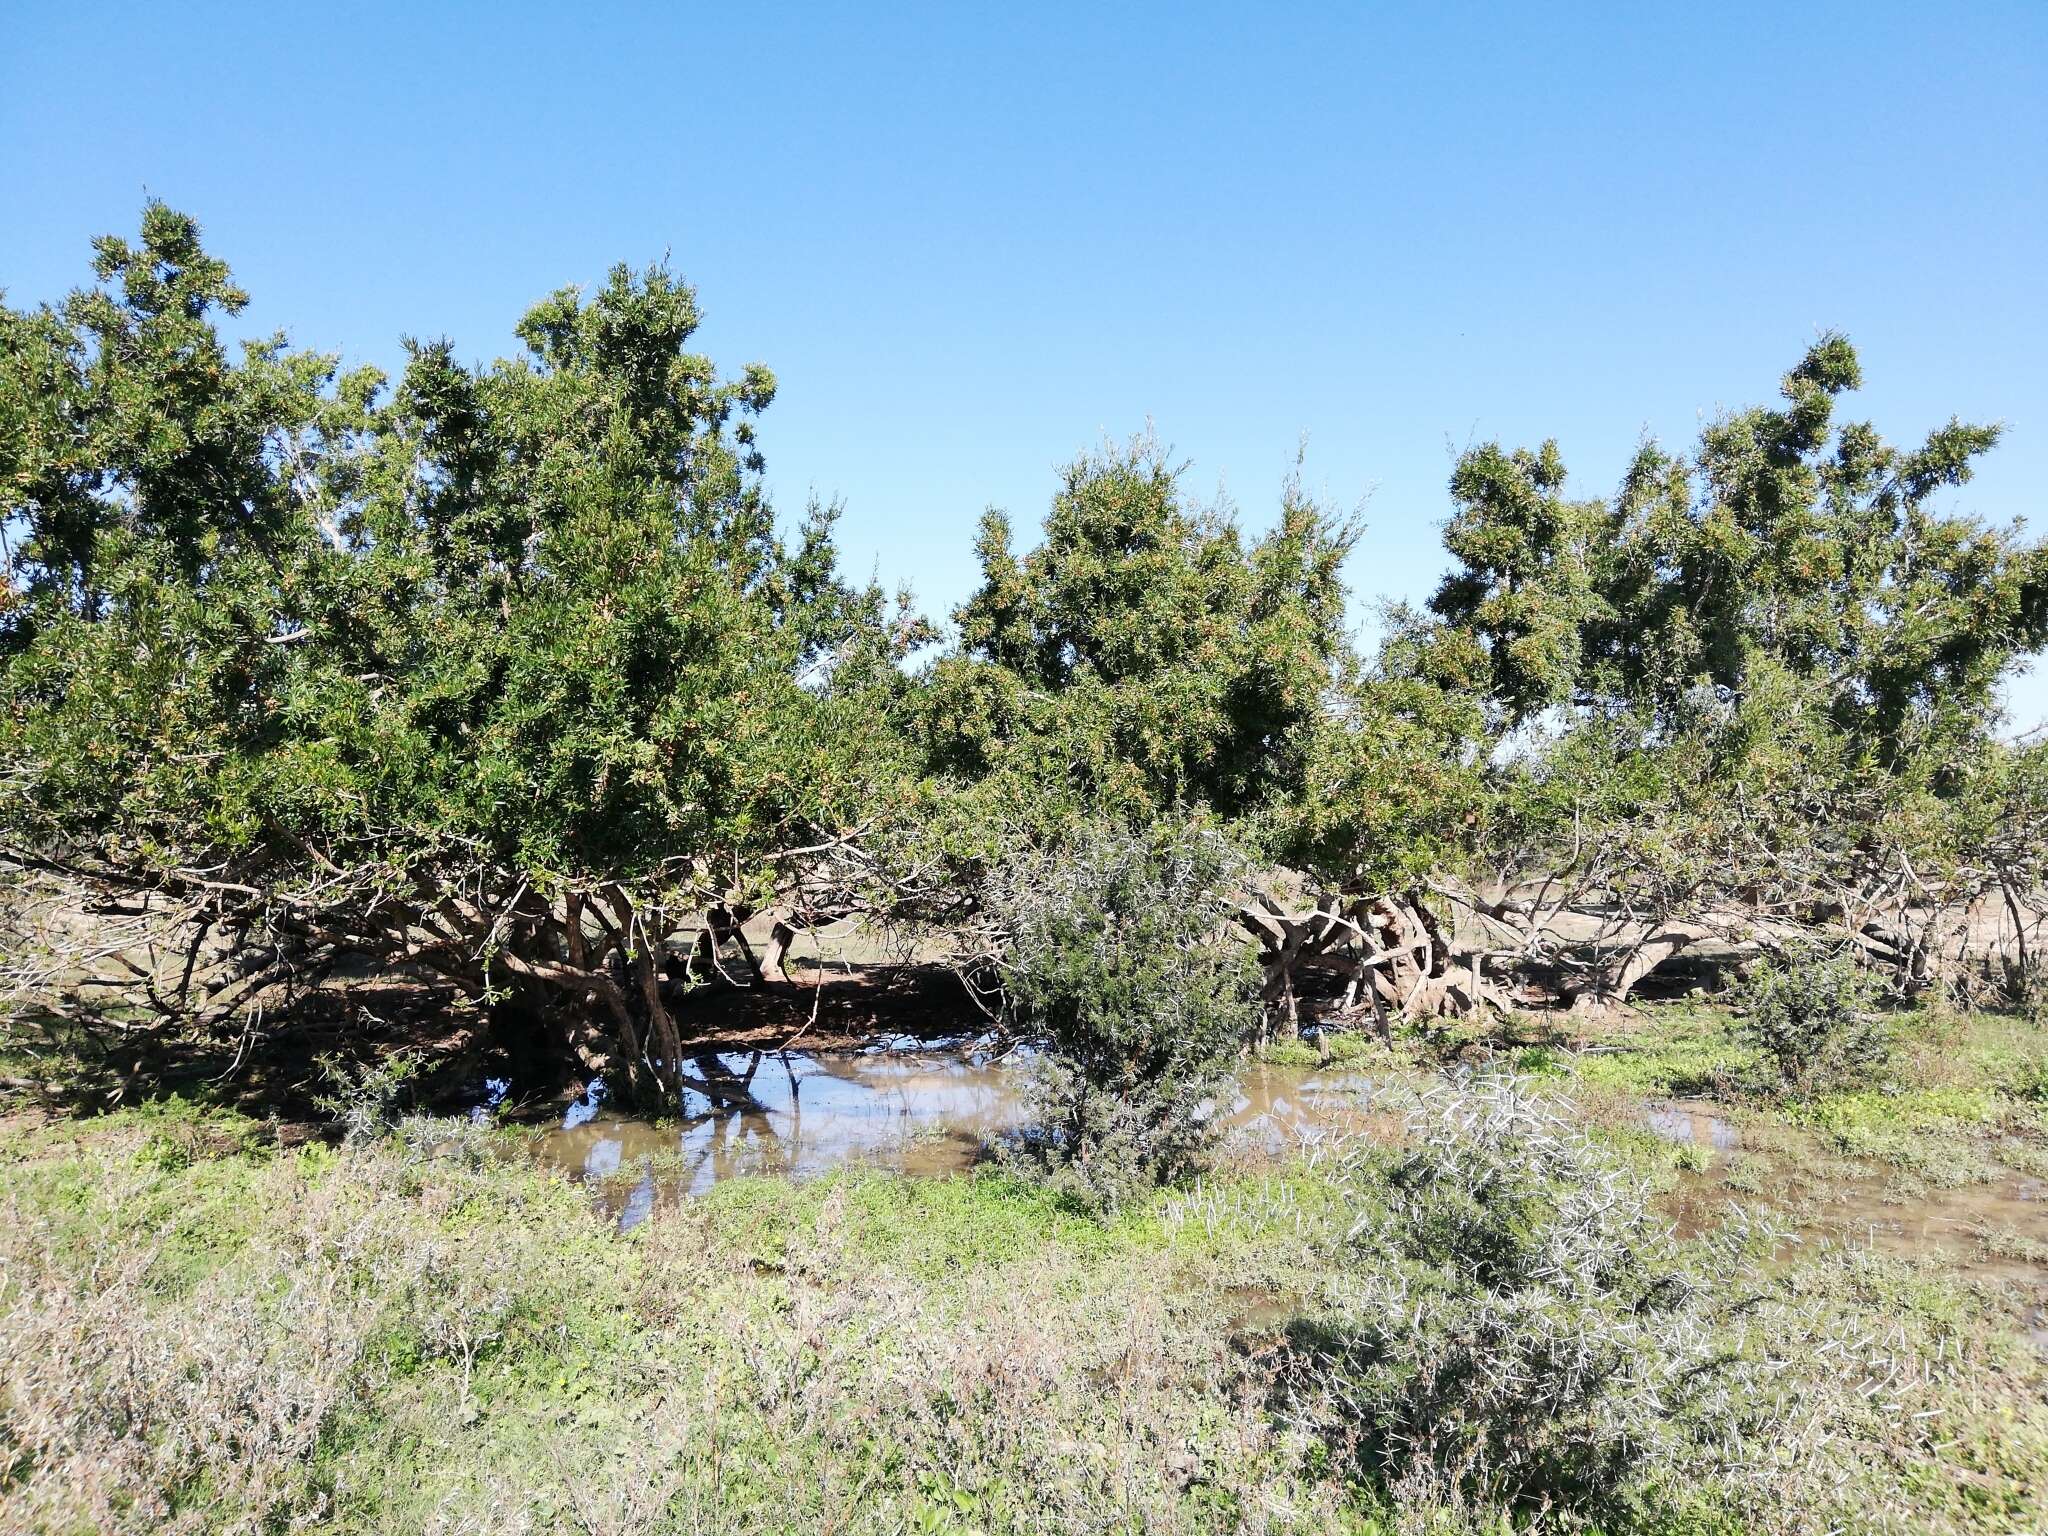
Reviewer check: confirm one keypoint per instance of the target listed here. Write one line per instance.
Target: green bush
(1812, 1014)
(1119, 968)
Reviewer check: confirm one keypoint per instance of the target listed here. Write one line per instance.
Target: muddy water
(1970, 1231)
(1962, 1226)
(906, 1107)
(1691, 1122)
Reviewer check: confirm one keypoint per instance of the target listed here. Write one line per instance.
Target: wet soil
(1993, 1230)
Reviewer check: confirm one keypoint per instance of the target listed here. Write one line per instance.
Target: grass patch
(1331, 1048)
(930, 1227)
(1672, 1050)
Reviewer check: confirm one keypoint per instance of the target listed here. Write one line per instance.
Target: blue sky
(972, 240)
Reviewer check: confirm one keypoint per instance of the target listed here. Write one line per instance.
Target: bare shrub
(123, 1409)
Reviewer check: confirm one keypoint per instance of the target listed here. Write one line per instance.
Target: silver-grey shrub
(1512, 1327)
(1508, 1325)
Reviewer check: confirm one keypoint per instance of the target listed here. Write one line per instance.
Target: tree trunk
(1608, 992)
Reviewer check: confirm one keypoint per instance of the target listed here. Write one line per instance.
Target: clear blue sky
(971, 240)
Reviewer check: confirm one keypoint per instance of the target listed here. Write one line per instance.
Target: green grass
(1673, 1050)
(1335, 1048)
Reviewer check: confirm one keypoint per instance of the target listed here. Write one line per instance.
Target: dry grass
(358, 1341)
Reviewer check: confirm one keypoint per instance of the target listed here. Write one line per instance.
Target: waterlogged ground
(901, 1106)
(827, 1312)
(939, 1109)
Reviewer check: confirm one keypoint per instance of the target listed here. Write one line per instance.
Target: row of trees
(500, 679)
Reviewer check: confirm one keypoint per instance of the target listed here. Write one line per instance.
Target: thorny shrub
(1512, 1327)
(364, 1101)
(1120, 969)
(1813, 1015)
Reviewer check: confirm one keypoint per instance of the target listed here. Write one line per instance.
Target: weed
(364, 1101)
(395, 1334)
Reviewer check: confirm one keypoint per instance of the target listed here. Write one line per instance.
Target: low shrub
(1508, 1325)
(1512, 1326)
(1813, 1015)
(364, 1101)
(1119, 968)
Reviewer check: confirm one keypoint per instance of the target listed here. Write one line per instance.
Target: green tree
(497, 678)
(1147, 660)
(1758, 686)
(1145, 655)
(1787, 539)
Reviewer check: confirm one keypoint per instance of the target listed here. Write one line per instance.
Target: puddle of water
(1957, 1229)
(1691, 1121)
(495, 1090)
(795, 1114)
(907, 1106)
(1280, 1109)
(1952, 1224)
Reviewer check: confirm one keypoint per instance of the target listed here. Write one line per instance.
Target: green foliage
(370, 676)
(1172, 662)
(1763, 677)
(1143, 656)
(538, 608)
(1119, 968)
(1788, 539)
(365, 1102)
(1147, 657)
(1392, 786)
(500, 675)
(1813, 1015)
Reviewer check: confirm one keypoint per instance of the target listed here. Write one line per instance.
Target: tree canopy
(1787, 540)
(498, 676)
(419, 674)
